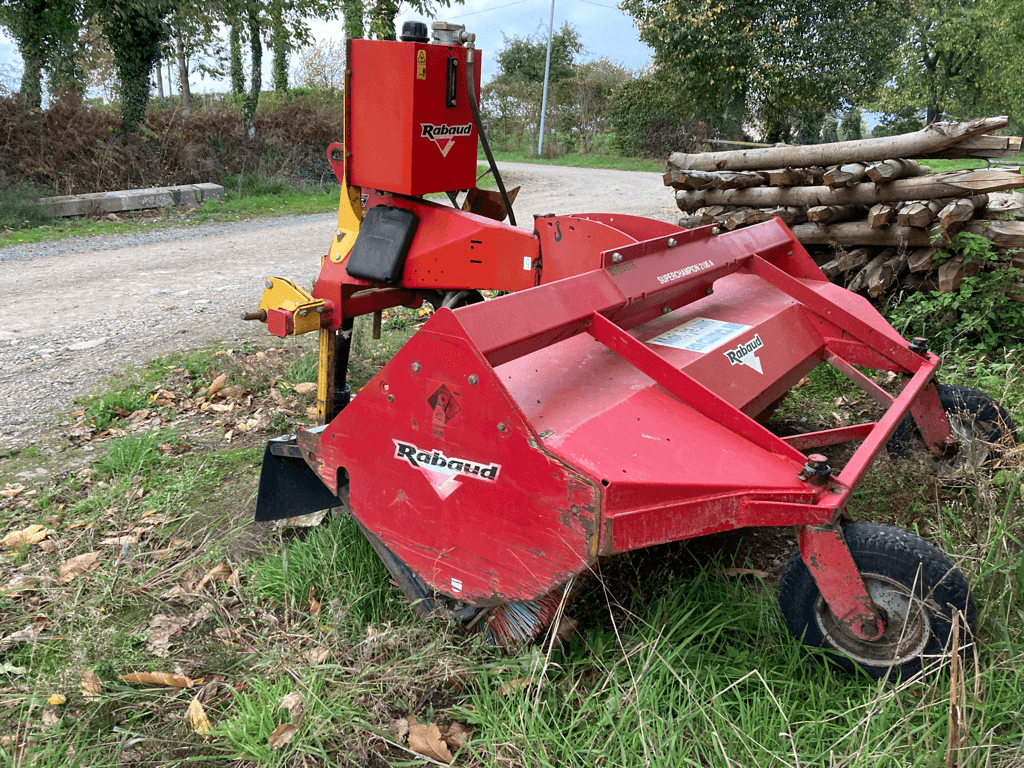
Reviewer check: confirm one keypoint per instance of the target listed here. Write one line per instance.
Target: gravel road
(80, 309)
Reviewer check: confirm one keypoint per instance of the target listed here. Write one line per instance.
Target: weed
(133, 454)
(20, 208)
(104, 409)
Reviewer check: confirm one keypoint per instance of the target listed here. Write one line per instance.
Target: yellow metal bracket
(285, 296)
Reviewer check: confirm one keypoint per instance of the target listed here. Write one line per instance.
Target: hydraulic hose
(483, 137)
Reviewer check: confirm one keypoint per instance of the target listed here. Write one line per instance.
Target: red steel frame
(557, 513)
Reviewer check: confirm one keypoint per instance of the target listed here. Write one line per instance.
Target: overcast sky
(604, 29)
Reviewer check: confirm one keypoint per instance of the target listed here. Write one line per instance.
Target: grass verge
(144, 619)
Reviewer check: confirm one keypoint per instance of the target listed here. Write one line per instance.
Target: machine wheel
(979, 424)
(915, 587)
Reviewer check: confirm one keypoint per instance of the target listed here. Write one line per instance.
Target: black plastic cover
(382, 244)
(414, 32)
(288, 485)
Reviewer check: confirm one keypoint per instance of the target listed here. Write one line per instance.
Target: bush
(977, 317)
(19, 203)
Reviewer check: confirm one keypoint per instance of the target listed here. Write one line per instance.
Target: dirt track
(73, 317)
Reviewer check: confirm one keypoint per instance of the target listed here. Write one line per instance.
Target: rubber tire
(883, 550)
(991, 421)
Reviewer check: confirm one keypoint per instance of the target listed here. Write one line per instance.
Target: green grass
(674, 663)
(583, 161)
(940, 166)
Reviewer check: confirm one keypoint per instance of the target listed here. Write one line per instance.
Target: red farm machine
(613, 398)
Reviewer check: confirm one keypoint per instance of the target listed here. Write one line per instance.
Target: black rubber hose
(483, 138)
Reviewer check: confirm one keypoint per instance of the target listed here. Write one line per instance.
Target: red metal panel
(458, 486)
(403, 137)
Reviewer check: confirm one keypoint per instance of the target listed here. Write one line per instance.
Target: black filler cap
(414, 32)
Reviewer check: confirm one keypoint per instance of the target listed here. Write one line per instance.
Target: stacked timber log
(871, 212)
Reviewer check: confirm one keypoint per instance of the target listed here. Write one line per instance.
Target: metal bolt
(269, 283)
(473, 379)
(919, 345)
(789, 253)
(666, 309)
(817, 461)
(303, 312)
(715, 230)
(415, 367)
(501, 426)
(708, 291)
(391, 398)
(672, 242)
(616, 258)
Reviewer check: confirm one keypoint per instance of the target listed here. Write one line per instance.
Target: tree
(135, 31)
(583, 99)
(46, 32)
(779, 59)
(321, 65)
(522, 59)
(960, 58)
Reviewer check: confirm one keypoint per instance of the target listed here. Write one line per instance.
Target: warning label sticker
(700, 335)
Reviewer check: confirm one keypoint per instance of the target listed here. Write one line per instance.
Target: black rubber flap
(289, 487)
(382, 244)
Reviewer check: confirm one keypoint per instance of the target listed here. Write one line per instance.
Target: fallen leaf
(311, 412)
(234, 391)
(197, 717)
(281, 735)
(56, 699)
(426, 740)
(314, 604)
(745, 572)
(305, 387)
(120, 541)
(512, 685)
(456, 734)
(217, 385)
(31, 535)
(70, 569)
(10, 669)
(159, 678)
(9, 491)
(161, 628)
(26, 635)
(293, 703)
(220, 572)
(400, 728)
(312, 520)
(91, 685)
(317, 656)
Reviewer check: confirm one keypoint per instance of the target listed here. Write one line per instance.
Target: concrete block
(99, 203)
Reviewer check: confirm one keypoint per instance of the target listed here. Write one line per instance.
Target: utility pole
(547, 74)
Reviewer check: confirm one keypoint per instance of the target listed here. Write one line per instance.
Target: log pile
(871, 212)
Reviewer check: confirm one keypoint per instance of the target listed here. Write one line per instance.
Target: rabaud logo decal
(744, 354)
(444, 135)
(442, 472)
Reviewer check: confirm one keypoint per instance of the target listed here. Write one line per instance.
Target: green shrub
(20, 204)
(978, 316)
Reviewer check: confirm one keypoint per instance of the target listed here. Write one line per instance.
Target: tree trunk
(940, 185)
(982, 147)
(279, 36)
(32, 80)
(890, 170)
(159, 80)
(235, 54)
(844, 175)
(252, 99)
(183, 86)
(933, 138)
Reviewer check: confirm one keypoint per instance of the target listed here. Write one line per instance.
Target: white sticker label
(744, 354)
(527, 263)
(456, 585)
(700, 335)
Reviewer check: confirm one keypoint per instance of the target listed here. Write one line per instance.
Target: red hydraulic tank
(410, 121)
